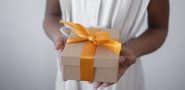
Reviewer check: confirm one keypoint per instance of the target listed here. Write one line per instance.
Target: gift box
(90, 57)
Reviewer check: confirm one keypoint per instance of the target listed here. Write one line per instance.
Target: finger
(128, 52)
(96, 85)
(58, 45)
(124, 51)
(121, 60)
(107, 84)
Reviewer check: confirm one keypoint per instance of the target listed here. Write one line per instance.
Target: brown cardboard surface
(105, 62)
(101, 74)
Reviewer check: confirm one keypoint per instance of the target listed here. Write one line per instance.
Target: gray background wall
(28, 61)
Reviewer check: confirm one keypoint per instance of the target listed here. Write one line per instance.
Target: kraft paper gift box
(105, 63)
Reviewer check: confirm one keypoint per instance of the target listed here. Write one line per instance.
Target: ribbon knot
(102, 37)
(91, 38)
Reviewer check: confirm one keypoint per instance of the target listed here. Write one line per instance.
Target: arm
(51, 23)
(149, 41)
(155, 35)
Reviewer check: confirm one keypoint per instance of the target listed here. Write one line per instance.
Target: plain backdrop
(28, 60)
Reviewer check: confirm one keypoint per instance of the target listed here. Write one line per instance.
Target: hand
(127, 58)
(60, 40)
(59, 43)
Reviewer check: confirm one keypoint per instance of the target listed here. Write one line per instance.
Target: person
(143, 27)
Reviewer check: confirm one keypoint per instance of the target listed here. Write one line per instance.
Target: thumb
(58, 45)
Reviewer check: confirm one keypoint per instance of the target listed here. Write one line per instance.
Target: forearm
(52, 26)
(148, 42)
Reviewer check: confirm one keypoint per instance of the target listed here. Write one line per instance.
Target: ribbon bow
(91, 39)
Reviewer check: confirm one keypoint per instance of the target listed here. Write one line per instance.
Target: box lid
(103, 57)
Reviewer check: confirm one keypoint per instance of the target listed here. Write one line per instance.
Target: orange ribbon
(91, 38)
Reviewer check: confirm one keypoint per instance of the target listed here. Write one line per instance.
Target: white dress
(127, 16)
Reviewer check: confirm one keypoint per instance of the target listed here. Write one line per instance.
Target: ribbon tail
(87, 61)
(75, 39)
(113, 46)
